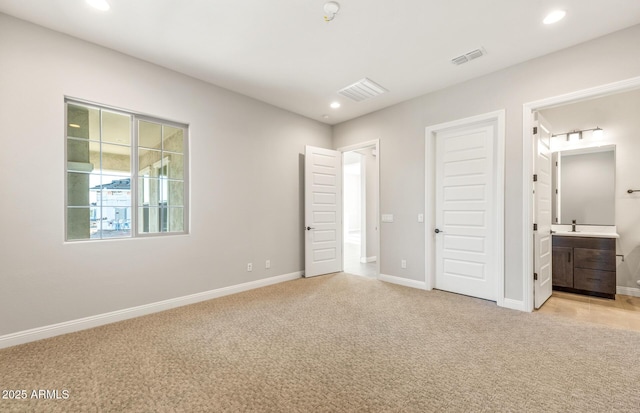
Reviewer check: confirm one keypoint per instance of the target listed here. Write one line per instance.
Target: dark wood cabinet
(562, 266)
(584, 265)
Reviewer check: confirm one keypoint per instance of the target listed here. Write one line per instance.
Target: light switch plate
(420, 217)
(387, 217)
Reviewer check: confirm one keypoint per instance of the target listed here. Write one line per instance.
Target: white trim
(499, 118)
(514, 304)
(527, 167)
(365, 260)
(632, 291)
(362, 145)
(421, 285)
(53, 330)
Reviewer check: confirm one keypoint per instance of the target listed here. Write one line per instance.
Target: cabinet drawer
(594, 280)
(604, 260)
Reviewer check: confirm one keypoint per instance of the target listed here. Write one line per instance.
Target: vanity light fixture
(576, 135)
(74, 125)
(597, 133)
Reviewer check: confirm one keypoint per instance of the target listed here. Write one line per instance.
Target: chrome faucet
(573, 226)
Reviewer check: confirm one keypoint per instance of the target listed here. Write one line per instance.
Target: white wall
(246, 184)
(401, 130)
(619, 116)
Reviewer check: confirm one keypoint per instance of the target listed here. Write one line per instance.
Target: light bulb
(598, 133)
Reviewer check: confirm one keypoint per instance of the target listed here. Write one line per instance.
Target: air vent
(474, 54)
(362, 90)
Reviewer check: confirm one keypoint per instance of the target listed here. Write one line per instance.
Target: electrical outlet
(267, 264)
(420, 217)
(250, 267)
(403, 263)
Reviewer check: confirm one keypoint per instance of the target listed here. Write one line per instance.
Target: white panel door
(322, 211)
(542, 204)
(464, 216)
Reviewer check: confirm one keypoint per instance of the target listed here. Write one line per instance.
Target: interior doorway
(530, 253)
(464, 182)
(360, 209)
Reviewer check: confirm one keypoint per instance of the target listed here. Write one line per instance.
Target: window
(125, 174)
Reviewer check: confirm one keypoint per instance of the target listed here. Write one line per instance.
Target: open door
(322, 211)
(542, 207)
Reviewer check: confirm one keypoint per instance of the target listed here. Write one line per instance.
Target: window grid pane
(161, 183)
(101, 150)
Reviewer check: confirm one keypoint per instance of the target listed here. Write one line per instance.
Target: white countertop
(593, 231)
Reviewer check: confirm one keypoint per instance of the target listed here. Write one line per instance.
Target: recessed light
(335, 105)
(554, 17)
(74, 125)
(99, 4)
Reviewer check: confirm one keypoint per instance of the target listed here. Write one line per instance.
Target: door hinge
(535, 276)
(535, 130)
(535, 227)
(535, 177)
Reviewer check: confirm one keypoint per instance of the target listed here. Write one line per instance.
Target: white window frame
(135, 173)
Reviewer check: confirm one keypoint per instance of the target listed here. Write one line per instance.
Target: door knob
(310, 228)
(437, 231)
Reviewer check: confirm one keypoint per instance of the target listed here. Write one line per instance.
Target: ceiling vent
(362, 90)
(474, 54)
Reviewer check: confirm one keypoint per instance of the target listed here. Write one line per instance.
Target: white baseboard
(365, 260)
(513, 304)
(421, 285)
(53, 330)
(634, 292)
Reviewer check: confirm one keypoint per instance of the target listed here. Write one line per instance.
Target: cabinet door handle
(569, 255)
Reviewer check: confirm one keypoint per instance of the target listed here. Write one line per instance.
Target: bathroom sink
(587, 234)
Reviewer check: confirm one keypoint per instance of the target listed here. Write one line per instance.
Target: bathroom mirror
(584, 183)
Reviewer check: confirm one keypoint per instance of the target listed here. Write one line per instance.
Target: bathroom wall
(618, 115)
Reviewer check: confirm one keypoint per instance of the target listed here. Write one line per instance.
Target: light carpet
(335, 343)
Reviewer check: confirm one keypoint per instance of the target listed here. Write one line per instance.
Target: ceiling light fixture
(335, 105)
(99, 4)
(554, 17)
(331, 8)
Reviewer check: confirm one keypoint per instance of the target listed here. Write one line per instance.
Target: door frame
(527, 168)
(362, 145)
(498, 118)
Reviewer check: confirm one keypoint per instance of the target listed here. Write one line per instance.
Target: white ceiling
(284, 53)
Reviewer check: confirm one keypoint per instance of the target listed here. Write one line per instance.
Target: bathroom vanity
(583, 229)
(584, 263)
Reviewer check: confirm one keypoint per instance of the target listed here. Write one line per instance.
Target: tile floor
(352, 264)
(623, 312)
